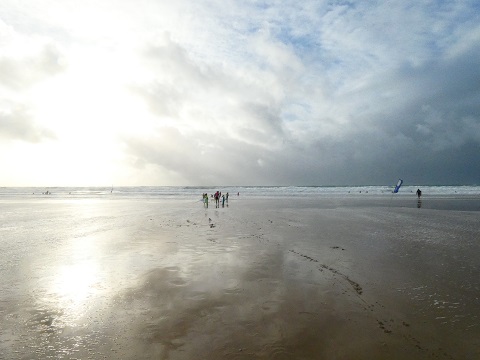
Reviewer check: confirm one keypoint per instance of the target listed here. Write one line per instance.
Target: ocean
(186, 192)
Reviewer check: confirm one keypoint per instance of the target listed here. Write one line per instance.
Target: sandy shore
(335, 278)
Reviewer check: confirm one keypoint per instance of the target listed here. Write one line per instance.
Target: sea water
(185, 192)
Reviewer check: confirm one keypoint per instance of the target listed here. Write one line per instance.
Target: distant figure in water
(419, 193)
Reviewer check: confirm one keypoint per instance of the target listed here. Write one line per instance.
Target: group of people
(217, 196)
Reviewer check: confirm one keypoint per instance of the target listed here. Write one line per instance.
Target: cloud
(17, 124)
(202, 159)
(25, 62)
(365, 114)
(20, 73)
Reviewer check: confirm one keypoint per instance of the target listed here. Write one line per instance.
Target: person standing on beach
(205, 200)
(419, 193)
(227, 198)
(223, 200)
(217, 200)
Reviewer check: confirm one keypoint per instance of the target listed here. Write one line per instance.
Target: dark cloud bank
(427, 132)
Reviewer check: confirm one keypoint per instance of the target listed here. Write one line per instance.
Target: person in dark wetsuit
(419, 193)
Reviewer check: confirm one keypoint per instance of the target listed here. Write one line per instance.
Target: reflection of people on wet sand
(419, 193)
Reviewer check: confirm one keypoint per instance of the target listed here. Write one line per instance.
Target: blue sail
(399, 183)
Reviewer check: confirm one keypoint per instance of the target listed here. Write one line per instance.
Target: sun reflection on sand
(76, 282)
(74, 285)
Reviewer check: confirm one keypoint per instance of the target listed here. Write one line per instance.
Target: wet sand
(333, 278)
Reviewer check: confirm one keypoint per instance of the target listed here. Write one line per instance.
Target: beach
(336, 277)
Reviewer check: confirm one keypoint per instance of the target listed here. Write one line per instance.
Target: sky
(224, 92)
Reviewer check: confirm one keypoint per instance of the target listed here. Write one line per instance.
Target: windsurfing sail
(397, 187)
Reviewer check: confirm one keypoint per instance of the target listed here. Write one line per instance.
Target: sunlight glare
(74, 285)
